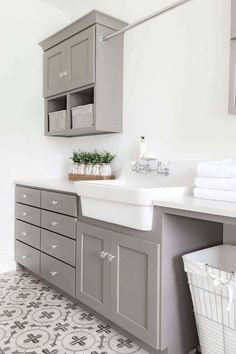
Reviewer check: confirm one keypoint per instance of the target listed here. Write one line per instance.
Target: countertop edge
(60, 185)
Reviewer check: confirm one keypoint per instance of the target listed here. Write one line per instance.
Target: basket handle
(220, 282)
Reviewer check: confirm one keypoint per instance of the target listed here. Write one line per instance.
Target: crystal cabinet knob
(110, 257)
(54, 247)
(54, 202)
(24, 257)
(65, 73)
(24, 233)
(53, 274)
(54, 223)
(61, 74)
(24, 196)
(103, 254)
(24, 213)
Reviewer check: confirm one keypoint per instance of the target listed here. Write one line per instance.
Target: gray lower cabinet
(135, 286)
(27, 233)
(58, 246)
(58, 273)
(27, 256)
(118, 276)
(92, 277)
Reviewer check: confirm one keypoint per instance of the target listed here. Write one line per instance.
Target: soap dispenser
(142, 147)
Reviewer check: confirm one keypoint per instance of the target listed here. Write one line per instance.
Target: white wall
(24, 151)
(175, 81)
(175, 90)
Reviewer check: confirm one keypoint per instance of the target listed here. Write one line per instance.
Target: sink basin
(128, 200)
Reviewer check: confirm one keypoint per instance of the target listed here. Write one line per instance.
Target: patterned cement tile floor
(36, 319)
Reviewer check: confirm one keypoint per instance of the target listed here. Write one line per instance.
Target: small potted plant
(106, 160)
(88, 163)
(97, 160)
(75, 165)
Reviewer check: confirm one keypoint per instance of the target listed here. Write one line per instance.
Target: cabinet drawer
(60, 203)
(58, 273)
(27, 196)
(58, 246)
(27, 256)
(28, 214)
(27, 233)
(61, 224)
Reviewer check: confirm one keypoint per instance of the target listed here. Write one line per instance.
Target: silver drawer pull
(24, 257)
(24, 213)
(54, 202)
(24, 196)
(54, 223)
(60, 74)
(54, 247)
(110, 257)
(103, 254)
(53, 274)
(24, 233)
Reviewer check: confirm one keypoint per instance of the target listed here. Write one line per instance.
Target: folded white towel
(221, 169)
(223, 184)
(212, 194)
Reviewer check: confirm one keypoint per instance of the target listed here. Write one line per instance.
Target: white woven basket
(82, 116)
(57, 121)
(212, 287)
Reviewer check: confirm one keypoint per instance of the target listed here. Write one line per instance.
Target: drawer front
(27, 196)
(28, 214)
(60, 203)
(58, 246)
(58, 273)
(27, 256)
(27, 233)
(61, 224)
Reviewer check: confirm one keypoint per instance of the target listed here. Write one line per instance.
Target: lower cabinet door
(92, 269)
(27, 256)
(135, 286)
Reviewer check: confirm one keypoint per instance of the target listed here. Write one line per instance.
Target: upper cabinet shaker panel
(54, 70)
(80, 54)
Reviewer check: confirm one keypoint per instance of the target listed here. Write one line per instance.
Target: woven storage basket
(57, 121)
(82, 116)
(212, 285)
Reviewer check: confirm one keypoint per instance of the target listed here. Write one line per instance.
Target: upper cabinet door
(135, 286)
(54, 71)
(80, 58)
(92, 268)
(233, 19)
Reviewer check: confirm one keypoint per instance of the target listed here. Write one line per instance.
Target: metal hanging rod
(145, 19)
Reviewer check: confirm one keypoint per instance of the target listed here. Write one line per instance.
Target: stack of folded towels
(216, 180)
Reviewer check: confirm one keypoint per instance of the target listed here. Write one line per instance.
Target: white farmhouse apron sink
(128, 200)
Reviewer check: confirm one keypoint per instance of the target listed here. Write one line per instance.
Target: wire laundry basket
(212, 282)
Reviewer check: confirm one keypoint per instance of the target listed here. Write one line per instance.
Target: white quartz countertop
(62, 185)
(199, 206)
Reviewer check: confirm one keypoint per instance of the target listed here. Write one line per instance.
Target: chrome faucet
(144, 166)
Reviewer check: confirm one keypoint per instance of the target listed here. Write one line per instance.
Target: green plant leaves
(94, 157)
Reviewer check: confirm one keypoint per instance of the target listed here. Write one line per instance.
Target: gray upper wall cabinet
(232, 72)
(71, 64)
(79, 70)
(233, 19)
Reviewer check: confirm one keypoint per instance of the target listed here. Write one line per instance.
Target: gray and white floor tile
(36, 319)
